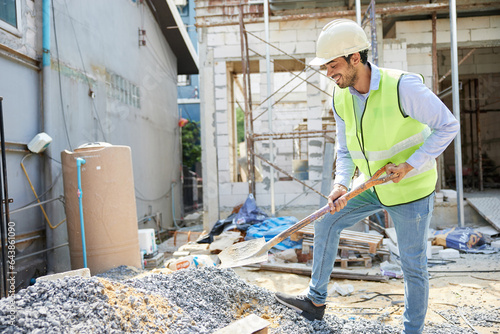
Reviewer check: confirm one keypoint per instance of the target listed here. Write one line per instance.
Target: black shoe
(303, 305)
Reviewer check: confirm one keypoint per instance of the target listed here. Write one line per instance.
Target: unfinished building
(287, 109)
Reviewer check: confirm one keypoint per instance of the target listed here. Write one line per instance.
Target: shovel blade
(244, 253)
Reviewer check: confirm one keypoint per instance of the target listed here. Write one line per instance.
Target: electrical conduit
(36, 195)
(173, 204)
(79, 163)
(47, 120)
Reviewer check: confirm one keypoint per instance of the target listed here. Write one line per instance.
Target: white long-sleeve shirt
(418, 102)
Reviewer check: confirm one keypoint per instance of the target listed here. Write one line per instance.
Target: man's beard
(350, 78)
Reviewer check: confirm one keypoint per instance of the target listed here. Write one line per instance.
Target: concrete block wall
(293, 38)
(395, 53)
(289, 196)
(314, 123)
(481, 61)
(471, 32)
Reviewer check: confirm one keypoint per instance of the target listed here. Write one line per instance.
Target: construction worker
(386, 118)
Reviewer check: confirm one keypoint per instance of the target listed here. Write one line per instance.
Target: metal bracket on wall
(142, 37)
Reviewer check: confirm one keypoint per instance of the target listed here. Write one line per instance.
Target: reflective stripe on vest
(385, 135)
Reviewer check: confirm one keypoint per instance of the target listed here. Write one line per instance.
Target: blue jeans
(411, 222)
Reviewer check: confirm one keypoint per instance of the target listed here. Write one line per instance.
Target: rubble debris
(187, 301)
(251, 324)
(224, 240)
(449, 253)
(343, 290)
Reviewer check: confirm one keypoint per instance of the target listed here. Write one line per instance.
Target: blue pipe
(79, 163)
(46, 32)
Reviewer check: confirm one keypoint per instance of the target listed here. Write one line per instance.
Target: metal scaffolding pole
(269, 103)
(478, 135)
(248, 110)
(358, 11)
(456, 112)
(370, 15)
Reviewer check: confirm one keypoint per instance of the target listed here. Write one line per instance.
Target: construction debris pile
(186, 301)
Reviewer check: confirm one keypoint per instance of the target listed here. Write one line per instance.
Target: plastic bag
(272, 227)
(462, 238)
(249, 214)
(219, 227)
(190, 261)
(391, 269)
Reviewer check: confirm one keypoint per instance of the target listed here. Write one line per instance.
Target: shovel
(255, 251)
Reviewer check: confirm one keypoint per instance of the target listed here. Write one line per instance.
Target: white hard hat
(338, 38)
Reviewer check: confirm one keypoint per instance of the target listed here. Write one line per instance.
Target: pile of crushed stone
(475, 315)
(187, 301)
(121, 273)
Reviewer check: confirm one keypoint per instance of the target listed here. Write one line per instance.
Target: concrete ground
(468, 288)
(464, 291)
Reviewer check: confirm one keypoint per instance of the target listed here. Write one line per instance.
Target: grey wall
(135, 104)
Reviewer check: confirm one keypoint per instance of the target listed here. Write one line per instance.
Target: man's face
(344, 74)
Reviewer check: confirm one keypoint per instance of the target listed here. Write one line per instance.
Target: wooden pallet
(348, 238)
(347, 254)
(365, 258)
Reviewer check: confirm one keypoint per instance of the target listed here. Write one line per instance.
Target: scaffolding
(241, 12)
(251, 137)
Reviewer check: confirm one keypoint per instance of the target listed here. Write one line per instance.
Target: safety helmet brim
(319, 61)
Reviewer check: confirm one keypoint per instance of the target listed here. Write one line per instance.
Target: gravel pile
(121, 273)
(477, 316)
(187, 301)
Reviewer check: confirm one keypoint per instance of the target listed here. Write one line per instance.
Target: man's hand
(336, 200)
(401, 170)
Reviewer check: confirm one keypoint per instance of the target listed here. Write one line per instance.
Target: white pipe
(269, 102)
(456, 111)
(358, 11)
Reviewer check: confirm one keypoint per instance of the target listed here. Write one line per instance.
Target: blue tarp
(272, 227)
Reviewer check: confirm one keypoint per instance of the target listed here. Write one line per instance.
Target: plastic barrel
(109, 208)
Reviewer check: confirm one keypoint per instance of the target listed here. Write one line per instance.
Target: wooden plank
(306, 271)
(251, 324)
(308, 231)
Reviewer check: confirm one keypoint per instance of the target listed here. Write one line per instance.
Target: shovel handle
(373, 181)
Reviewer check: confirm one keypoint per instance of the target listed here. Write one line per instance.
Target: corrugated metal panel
(488, 208)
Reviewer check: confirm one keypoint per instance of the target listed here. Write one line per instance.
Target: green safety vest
(386, 134)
